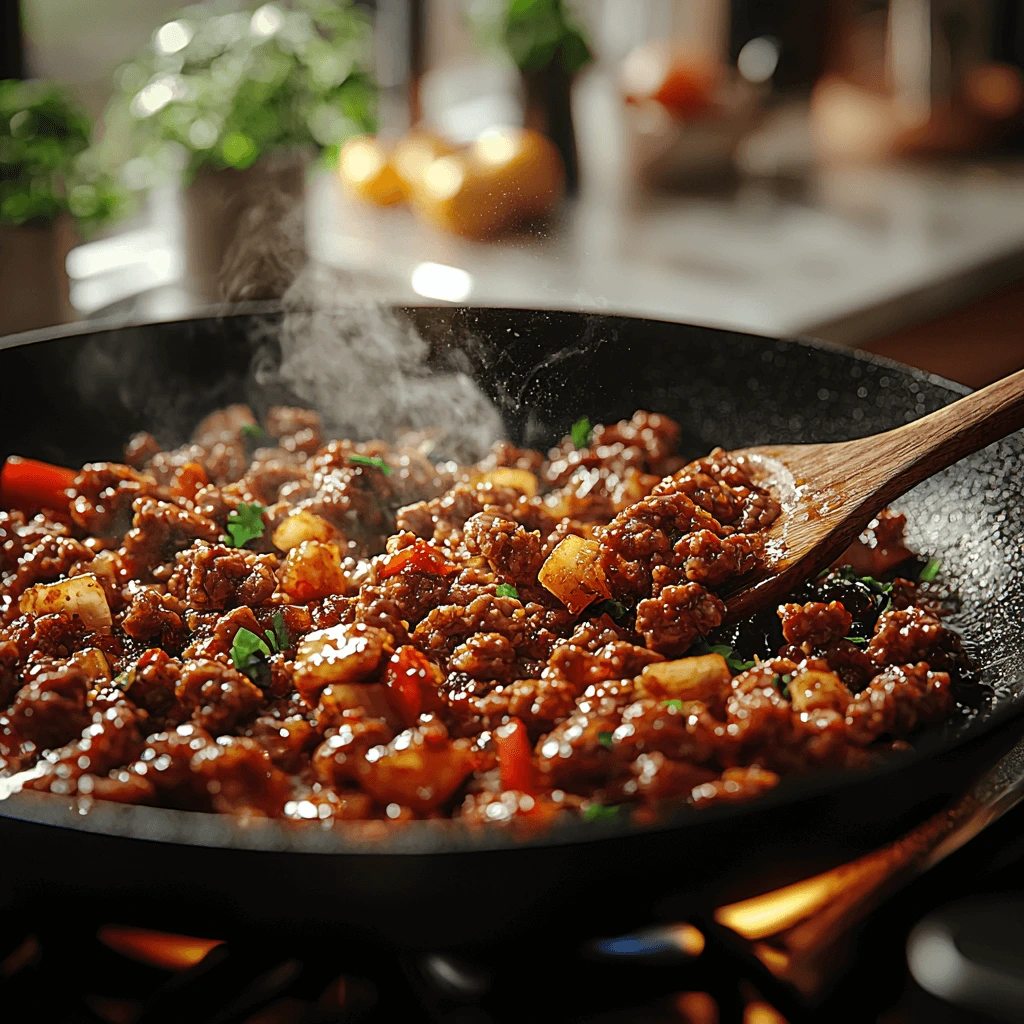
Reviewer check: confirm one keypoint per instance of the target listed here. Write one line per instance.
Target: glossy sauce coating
(517, 639)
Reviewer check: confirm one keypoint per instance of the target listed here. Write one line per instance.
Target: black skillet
(75, 395)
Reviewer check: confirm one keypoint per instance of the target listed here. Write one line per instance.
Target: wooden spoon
(830, 492)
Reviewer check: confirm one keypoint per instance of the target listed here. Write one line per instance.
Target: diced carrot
(420, 557)
(513, 746)
(188, 479)
(30, 484)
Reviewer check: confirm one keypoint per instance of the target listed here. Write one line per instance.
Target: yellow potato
(367, 172)
(414, 153)
(572, 573)
(504, 179)
(703, 678)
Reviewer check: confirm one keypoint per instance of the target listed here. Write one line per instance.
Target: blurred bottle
(920, 77)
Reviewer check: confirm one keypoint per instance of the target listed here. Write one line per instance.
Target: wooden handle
(910, 454)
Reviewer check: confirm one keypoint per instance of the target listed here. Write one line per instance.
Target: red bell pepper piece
(420, 557)
(513, 747)
(29, 484)
(412, 684)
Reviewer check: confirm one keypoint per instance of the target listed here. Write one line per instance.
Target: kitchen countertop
(846, 254)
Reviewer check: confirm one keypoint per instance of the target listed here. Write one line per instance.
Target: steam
(364, 369)
(348, 357)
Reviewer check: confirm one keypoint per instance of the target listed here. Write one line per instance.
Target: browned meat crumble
(522, 638)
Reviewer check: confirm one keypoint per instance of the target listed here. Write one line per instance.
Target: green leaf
(245, 523)
(284, 637)
(373, 461)
(736, 665)
(507, 590)
(605, 739)
(676, 704)
(859, 640)
(599, 812)
(245, 647)
(616, 609)
(930, 571)
(253, 430)
(781, 683)
(581, 432)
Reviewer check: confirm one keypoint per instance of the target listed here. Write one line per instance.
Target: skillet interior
(73, 397)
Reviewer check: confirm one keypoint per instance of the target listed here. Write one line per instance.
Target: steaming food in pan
(265, 622)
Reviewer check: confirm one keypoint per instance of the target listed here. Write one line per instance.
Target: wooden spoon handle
(910, 454)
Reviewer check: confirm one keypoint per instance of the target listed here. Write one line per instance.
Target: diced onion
(80, 595)
(340, 654)
(700, 678)
(300, 526)
(573, 574)
(521, 480)
(814, 690)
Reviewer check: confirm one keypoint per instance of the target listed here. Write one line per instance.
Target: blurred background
(848, 169)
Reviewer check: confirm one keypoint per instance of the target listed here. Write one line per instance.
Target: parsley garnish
(732, 659)
(249, 654)
(507, 590)
(605, 739)
(125, 679)
(675, 703)
(581, 432)
(253, 430)
(930, 571)
(781, 683)
(599, 812)
(279, 638)
(245, 647)
(616, 609)
(245, 523)
(374, 461)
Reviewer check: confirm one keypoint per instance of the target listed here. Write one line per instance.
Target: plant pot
(244, 231)
(34, 288)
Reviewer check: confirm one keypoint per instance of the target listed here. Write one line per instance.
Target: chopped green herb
(781, 683)
(245, 648)
(581, 431)
(605, 739)
(253, 430)
(284, 637)
(507, 590)
(373, 461)
(930, 571)
(616, 609)
(732, 659)
(676, 704)
(599, 812)
(847, 572)
(858, 640)
(125, 679)
(245, 523)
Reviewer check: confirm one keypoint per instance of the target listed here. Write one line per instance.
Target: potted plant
(236, 104)
(50, 192)
(549, 48)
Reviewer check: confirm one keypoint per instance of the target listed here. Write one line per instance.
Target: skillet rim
(449, 836)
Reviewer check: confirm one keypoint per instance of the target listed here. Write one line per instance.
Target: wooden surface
(830, 492)
(975, 344)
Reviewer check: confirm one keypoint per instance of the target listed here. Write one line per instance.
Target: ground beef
(814, 624)
(475, 690)
(897, 701)
(103, 495)
(159, 531)
(509, 549)
(218, 696)
(154, 615)
(216, 577)
(675, 618)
